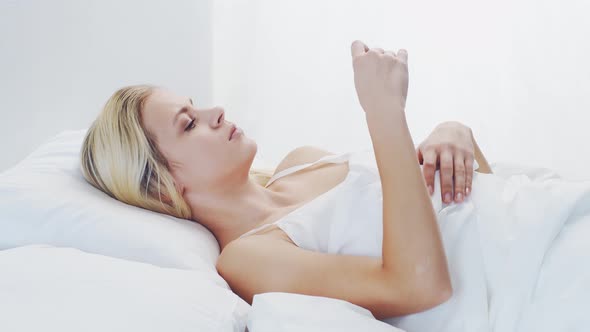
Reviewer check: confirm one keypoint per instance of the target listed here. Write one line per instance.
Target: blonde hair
(120, 157)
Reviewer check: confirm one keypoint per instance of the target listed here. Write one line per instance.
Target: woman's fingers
(446, 175)
(419, 156)
(459, 161)
(358, 48)
(429, 168)
(403, 54)
(456, 172)
(468, 175)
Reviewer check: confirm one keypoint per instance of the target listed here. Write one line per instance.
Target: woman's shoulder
(302, 155)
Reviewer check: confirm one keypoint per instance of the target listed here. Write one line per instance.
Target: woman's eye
(190, 125)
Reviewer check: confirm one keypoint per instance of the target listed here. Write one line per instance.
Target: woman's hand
(380, 77)
(450, 145)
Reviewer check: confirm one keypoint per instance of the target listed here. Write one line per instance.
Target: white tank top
(346, 219)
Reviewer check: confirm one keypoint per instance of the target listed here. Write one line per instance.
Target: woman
(156, 150)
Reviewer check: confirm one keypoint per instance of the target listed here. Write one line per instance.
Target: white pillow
(290, 312)
(46, 288)
(45, 199)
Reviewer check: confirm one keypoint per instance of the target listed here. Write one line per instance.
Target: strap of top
(332, 158)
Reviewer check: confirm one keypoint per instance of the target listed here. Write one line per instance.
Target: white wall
(61, 60)
(516, 72)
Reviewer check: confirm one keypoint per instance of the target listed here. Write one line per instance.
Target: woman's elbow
(443, 296)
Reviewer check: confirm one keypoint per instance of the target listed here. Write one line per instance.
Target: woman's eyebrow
(182, 110)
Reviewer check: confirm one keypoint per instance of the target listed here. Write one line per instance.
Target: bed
(72, 258)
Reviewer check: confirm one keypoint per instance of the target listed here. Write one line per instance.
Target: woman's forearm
(412, 244)
(484, 167)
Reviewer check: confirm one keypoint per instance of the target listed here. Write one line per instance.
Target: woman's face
(200, 153)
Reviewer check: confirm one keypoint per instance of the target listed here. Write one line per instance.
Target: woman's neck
(230, 214)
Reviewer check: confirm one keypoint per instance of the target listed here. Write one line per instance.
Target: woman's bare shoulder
(302, 155)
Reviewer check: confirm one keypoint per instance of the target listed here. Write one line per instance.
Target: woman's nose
(215, 115)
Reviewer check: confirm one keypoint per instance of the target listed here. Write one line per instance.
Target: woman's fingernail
(467, 191)
(459, 197)
(447, 197)
(430, 190)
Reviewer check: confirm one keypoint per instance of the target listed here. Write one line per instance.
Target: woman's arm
(412, 245)
(484, 167)
(412, 250)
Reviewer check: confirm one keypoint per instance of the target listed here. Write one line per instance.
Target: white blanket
(519, 255)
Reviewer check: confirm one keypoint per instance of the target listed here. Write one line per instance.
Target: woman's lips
(231, 131)
(235, 133)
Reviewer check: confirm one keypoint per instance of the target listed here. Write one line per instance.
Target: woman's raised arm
(413, 253)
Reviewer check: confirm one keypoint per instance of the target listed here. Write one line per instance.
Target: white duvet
(519, 256)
